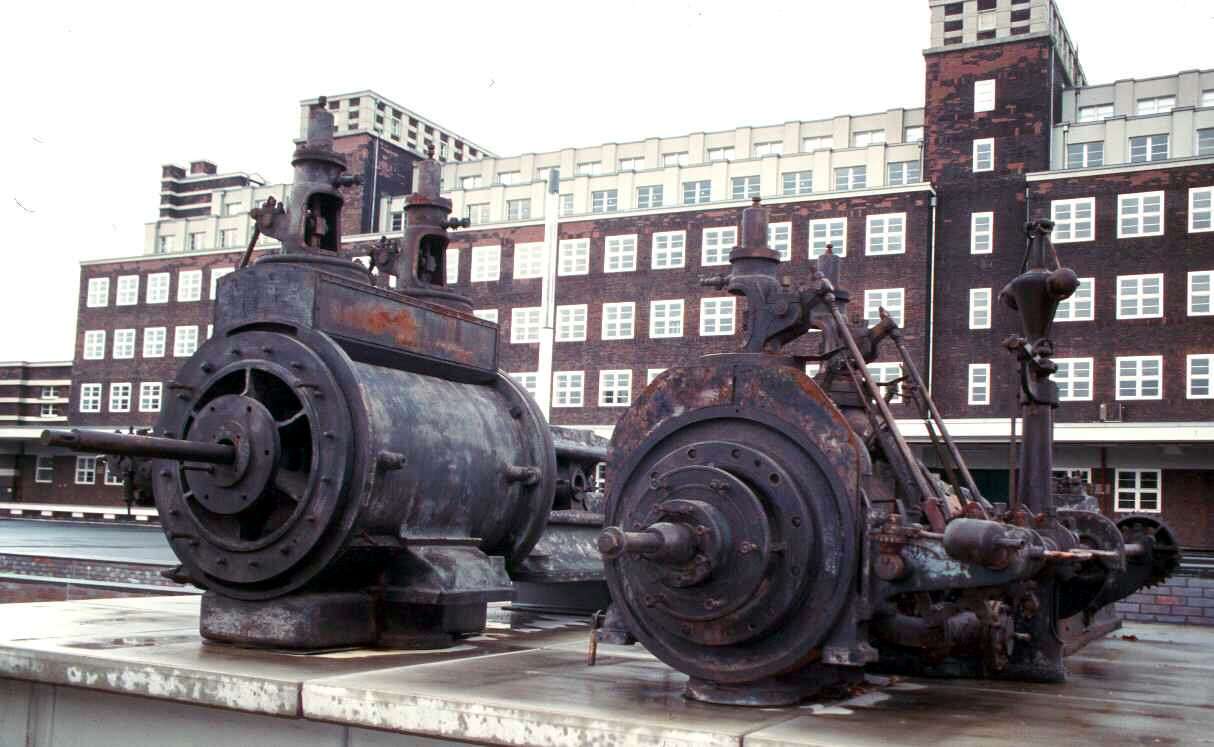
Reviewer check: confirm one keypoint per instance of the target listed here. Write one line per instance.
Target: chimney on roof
(202, 167)
(171, 171)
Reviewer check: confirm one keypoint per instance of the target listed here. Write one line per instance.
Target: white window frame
(723, 153)
(1085, 292)
(1069, 227)
(1095, 112)
(768, 148)
(44, 463)
(620, 253)
(478, 213)
(151, 396)
(158, 285)
(573, 257)
(518, 209)
(1137, 491)
(619, 320)
(609, 203)
(779, 239)
(619, 378)
(1087, 150)
(90, 397)
(93, 348)
(980, 308)
(668, 250)
(978, 384)
(701, 191)
(883, 372)
(979, 234)
(1201, 219)
(185, 340)
(451, 266)
(979, 144)
(650, 196)
(663, 313)
(526, 322)
(1207, 359)
(652, 373)
(486, 264)
(98, 294)
(717, 309)
(1067, 377)
(1139, 296)
(720, 240)
(216, 274)
(127, 291)
(856, 177)
(1154, 105)
(750, 185)
(124, 344)
(568, 388)
(892, 299)
(189, 286)
(86, 470)
(489, 315)
(984, 95)
(529, 260)
(801, 182)
(1137, 377)
(1149, 142)
(885, 234)
(120, 396)
(865, 138)
(528, 380)
(1141, 215)
(822, 232)
(817, 142)
(571, 322)
(1205, 277)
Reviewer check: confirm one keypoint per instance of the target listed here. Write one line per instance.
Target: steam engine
(770, 534)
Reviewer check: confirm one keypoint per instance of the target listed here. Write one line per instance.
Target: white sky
(96, 96)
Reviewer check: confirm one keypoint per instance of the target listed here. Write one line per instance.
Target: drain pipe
(931, 296)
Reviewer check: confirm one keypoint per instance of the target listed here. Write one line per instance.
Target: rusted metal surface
(770, 534)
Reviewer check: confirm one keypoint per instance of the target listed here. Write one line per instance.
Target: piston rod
(123, 444)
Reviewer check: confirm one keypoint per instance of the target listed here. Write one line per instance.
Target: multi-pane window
(632, 164)
(979, 383)
(525, 323)
(1095, 113)
(189, 285)
(903, 172)
(820, 142)
(886, 234)
(743, 187)
(717, 244)
(866, 138)
(620, 253)
(86, 470)
(489, 315)
(674, 159)
(697, 192)
(573, 257)
(797, 183)
(150, 395)
(529, 260)
(615, 388)
(571, 323)
(518, 209)
(98, 292)
(619, 320)
(44, 469)
(127, 293)
(913, 134)
(1079, 307)
(1201, 293)
(216, 274)
(48, 392)
(1074, 220)
(529, 380)
(604, 201)
(1140, 214)
(1084, 155)
(668, 250)
(884, 373)
(94, 345)
(567, 387)
(1205, 141)
(477, 213)
(984, 154)
(1201, 209)
(1155, 105)
(851, 177)
(1148, 148)
(649, 196)
(666, 318)
(486, 264)
(124, 344)
(982, 233)
(227, 237)
(716, 316)
(165, 244)
(90, 398)
(185, 340)
(779, 239)
(451, 266)
(158, 287)
(48, 411)
(1074, 379)
(1139, 296)
(1139, 490)
(984, 95)
(1140, 377)
(120, 397)
(825, 231)
(589, 168)
(770, 148)
(566, 205)
(196, 241)
(1199, 379)
(721, 154)
(507, 178)
(470, 182)
(890, 299)
(980, 308)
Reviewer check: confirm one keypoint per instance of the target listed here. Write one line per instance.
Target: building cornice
(1121, 168)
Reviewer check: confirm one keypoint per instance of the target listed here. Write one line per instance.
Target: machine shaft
(140, 446)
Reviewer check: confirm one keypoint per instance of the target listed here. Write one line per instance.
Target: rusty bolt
(390, 460)
(747, 547)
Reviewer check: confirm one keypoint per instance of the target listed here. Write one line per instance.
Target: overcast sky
(98, 96)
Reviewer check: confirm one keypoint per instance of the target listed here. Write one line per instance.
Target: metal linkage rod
(123, 444)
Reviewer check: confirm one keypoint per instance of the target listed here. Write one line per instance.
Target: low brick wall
(15, 591)
(1183, 599)
(84, 569)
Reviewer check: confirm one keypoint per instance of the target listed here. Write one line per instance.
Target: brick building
(33, 396)
(925, 204)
